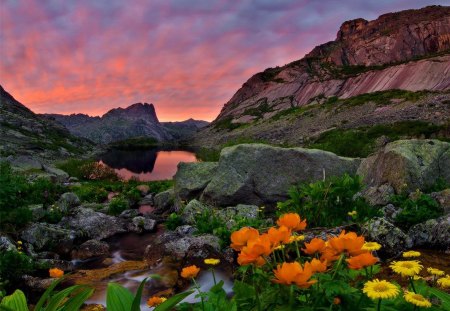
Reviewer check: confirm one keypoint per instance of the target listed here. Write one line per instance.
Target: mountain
(22, 132)
(138, 120)
(402, 59)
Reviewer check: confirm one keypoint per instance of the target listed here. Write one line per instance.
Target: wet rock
(143, 189)
(141, 224)
(43, 236)
(260, 174)
(91, 248)
(193, 208)
(378, 195)
(432, 233)
(164, 201)
(68, 201)
(129, 213)
(147, 200)
(202, 244)
(407, 165)
(89, 224)
(394, 240)
(38, 211)
(6, 244)
(443, 199)
(192, 178)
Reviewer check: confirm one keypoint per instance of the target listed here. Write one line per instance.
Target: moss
(227, 124)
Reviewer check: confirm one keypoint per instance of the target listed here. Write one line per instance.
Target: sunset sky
(187, 57)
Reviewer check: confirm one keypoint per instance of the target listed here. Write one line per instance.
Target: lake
(148, 164)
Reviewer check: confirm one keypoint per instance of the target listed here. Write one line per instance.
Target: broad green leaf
(136, 305)
(172, 301)
(443, 297)
(46, 294)
(118, 298)
(56, 301)
(75, 302)
(16, 301)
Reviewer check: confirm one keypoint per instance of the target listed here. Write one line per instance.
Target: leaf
(136, 305)
(118, 298)
(443, 297)
(16, 301)
(46, 294)
(75, 302)
(58, 299)
(171, 302)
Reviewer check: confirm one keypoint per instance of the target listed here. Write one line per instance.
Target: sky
(187, 57)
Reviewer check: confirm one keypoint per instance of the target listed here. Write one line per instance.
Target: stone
(390, 212)
(393, 240)
(147, 200)
(193, 208)
(89, 224)
(43, 236)
(24, 162)
(129, 213)
(67, 201)
(38, 211)
(192, 178)
(37, 283)
(91, 248)
(230, 214)
(7, 244)
(143, 189)
(164, 201)
(65, 265)
(407, 165)
(58, 175)
(179, 248)
(73, 179)
(432, 233)
(378, 195)
(141, 224)
(443, 199)
(259, 174)
(185, 230)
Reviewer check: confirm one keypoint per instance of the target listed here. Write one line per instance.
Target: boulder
(6, 244)
(378, 195)
(67, 201)
(164, 201)
(56, 174)
(443, 199)
(24, 162)
(129, 213)
(407, 165)
(192, 178)
(193, 208)
(394, 240)
(259, 174)
(91, 248)
(202, 245)
(230, 214)
(390, 212)
(37, 211)
(89, 224)
(432, 233)
(43, 236)
(185, 230)
(140, 224)
(37, 283)
(147, 200)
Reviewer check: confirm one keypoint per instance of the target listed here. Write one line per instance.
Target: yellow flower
(279, 247)
(155, 301)
(383, 289)
(352, 213)
(19, 242)
(411, 254)
(406, 268)
(296, 238)
(417, 277)
(212, 261)
(371, 246)
(436, 272)
(444, 282)
(417, 299)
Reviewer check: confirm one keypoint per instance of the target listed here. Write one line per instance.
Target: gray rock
(23, 162)
(141, 224)
(129, 213)
(58, 175)
(390, 212)
(37, 283)
(43, 236)
(230, 214)
(394, 240)
(432, 233)
(91, 248)
(66, 266)
(147, 200)
(192, 209)
(378, 195)
(164, 201)
(73, 179)
(179, 248)
(259, 174)
(443, 199)
(407, 165)
(6, 244)
(185, 230)
(68, 201)
(90, 224)
(38, 211)
(192, 178)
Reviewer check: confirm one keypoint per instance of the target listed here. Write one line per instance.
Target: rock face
(192, 178)
(259, 174)
(407, 165)
(67, 201)
(91, 248)
(407, 50)
(432, 233)
(48, 236)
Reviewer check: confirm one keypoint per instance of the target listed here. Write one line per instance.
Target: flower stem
(379, 305)
(338, 266)
(214, 276)
(412, 284)
(297, 250)
(199, 293)
(291, 297)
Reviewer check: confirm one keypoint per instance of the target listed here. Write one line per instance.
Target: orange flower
(292, 221)
(329, 254)
(240, 238)
(55, 273)
(255, 249)
(361, 261)
(347, 242)
(155, 301)
(289, 273)
(336, 301)
(245, 258)
(318, 266)
(190, 272)
(278, 236)
(315, 246)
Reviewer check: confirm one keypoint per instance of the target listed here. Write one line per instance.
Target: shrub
(117, 205)
(88, 170)
(415, 210)
(91, 193)
(173, 221)
(327, 203)
(13, 265)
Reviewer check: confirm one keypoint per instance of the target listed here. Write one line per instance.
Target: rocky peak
(136, 111)
(349, 27)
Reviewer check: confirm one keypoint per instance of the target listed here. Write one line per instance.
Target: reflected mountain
(136, 161)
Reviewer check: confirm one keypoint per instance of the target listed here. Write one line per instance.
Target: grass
(227, 124)
(360, 142)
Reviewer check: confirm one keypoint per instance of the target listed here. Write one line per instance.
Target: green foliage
(88, 170)
(173, 221)
(207, 155)
(327, 203)
(73, 167)
(117, 205)
(227, 124)
(261, 108)
(91, 193)
(439, 185)
(13, 265)
(360, 142)
(135, 143)
(133, 196)
(417, 209)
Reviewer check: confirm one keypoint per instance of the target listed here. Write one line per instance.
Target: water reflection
(145, 165)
